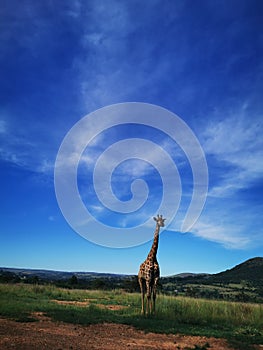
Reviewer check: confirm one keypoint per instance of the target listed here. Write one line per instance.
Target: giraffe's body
(149, 272)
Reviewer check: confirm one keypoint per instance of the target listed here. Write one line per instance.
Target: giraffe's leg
(154, 294)
(151, 304)
(142, 287)
(148, 294)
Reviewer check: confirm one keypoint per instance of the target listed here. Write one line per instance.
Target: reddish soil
(48, 335)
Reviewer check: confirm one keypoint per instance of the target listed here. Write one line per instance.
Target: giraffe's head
(159, 220)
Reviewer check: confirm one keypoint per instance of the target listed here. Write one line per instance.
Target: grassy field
(240, 323)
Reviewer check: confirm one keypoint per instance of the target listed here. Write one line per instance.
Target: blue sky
(60, 61)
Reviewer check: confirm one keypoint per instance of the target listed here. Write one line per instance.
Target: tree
(73, 280)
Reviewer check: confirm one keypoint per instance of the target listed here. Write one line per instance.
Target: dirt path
(48, 335)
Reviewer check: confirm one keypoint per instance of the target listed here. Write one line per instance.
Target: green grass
(240, 323)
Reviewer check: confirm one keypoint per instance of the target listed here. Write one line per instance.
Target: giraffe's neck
(153, 251)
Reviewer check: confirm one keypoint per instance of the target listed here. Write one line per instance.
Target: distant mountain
(250, 270)
(58, 275)
(190, 274)
(243, 282)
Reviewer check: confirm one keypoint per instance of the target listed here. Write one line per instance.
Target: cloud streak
(230, 236)
(21, 150)
(236, 144)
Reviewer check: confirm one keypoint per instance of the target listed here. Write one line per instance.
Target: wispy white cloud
(233, 144)
(3, 127)
(234, 223)
(97, 208)
(230, 236)
(115, 65)
(21, 150)
(74, 9)
(236, 143)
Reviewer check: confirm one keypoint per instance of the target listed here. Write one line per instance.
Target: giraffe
(149, 272)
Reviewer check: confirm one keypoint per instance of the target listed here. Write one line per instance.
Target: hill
(250, 270)
(243, 282)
